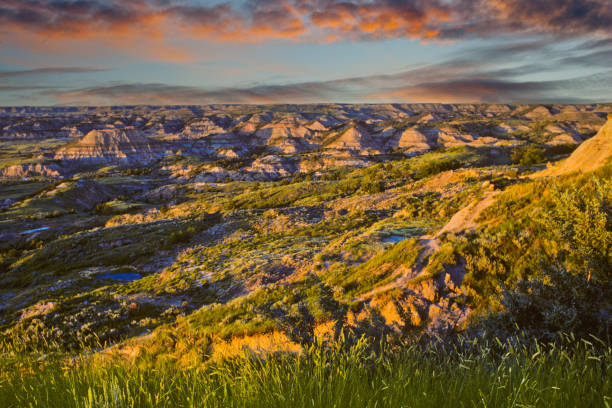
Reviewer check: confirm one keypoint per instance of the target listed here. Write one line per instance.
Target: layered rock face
(416, 140)
(110, 145)
(31, 170)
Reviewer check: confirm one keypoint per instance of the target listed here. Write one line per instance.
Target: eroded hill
(147, 224)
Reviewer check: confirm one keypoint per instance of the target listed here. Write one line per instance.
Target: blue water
(394, 238)
(121, 277)
(35, 230)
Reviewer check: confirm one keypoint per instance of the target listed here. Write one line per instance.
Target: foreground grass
(521, 376)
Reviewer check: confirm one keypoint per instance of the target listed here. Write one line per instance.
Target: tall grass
(323, 376)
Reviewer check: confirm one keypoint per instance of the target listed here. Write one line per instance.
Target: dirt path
(465, 218)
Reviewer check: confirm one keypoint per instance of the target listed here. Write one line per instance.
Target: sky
(173, 52)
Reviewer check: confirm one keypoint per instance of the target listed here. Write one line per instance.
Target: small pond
(120, 277)
(394, 238)
(35, 230)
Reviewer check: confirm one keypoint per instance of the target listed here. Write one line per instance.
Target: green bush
(435, 166)
(528, 155)
(545, 307)
(579, 220)
(550, 265)
(370, 186)
(182, 236)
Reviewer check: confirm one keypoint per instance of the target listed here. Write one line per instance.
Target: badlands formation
(133, 222)
(274, 141)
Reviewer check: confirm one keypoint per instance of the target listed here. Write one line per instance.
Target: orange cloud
(147, 26)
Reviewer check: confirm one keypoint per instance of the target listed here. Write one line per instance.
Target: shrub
(551, 268)
(182, 236)
(372, 186)
(580, 221)
(562, 149)
(557, 302)
(528, 155)
(433, 167)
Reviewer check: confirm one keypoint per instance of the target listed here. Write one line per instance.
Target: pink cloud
(148, 26)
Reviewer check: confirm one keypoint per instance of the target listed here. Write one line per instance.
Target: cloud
(162, 94)
(150, 24)
(19, 88)
(86, 27)
(171, 30)
(594, 59)
(595, 44)
(451, 82)
(47, 71)
(564, 16)
(480, 90)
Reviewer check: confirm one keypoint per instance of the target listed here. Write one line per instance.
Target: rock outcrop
(589, 156)
(31, 170)
(110, 145)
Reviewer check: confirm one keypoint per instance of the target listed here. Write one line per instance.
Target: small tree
(528, 155)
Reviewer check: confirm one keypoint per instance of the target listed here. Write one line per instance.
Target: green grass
(159, 232)
(379, 269)
(484, 376)
(372, 179)
(18, 191)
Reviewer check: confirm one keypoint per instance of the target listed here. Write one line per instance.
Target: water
(121, 277)
(394, 238)
(35, 230)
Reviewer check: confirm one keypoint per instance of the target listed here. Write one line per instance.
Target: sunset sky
(103, 52)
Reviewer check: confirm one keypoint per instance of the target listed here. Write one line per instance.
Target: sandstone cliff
(110, 145)
(589, 156)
